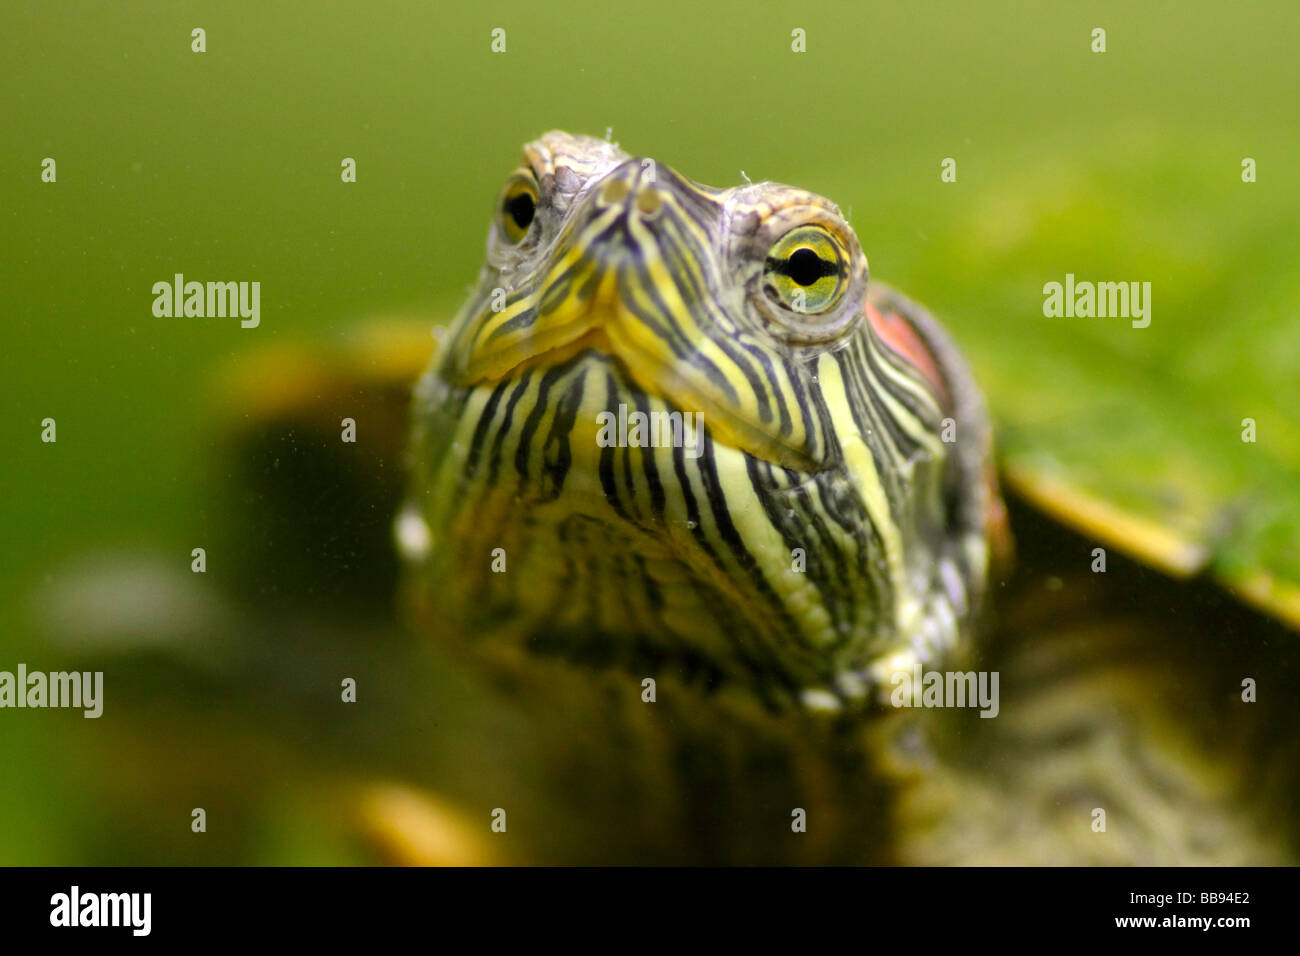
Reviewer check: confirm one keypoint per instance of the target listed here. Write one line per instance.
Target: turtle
(703, 505)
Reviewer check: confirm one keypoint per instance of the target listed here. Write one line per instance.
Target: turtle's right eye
(518, 206)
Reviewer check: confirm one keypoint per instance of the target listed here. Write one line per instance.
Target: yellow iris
(518, 206)
(807, 270)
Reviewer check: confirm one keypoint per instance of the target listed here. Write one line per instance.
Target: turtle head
(671, 426)
(716, 300)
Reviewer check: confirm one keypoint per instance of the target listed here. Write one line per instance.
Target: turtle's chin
(633, 401)
(584, 517)
(623, 402)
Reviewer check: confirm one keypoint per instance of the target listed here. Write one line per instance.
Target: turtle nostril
(614, 190)
(648, 201)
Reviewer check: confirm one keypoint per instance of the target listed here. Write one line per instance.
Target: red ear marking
(904, 341)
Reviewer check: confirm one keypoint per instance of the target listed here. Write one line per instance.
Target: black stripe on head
(482, 426)
(557, 455)
(494, 462)
(541, 404)
(607, 482)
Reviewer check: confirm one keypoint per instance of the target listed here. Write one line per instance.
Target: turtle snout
(632, 188)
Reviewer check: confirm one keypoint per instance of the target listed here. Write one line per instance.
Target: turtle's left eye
(518, 206)
(807, 270)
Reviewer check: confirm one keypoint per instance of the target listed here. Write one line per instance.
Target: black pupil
(520, 208)
(804, 267)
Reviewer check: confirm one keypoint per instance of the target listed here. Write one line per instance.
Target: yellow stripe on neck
(861, 466)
